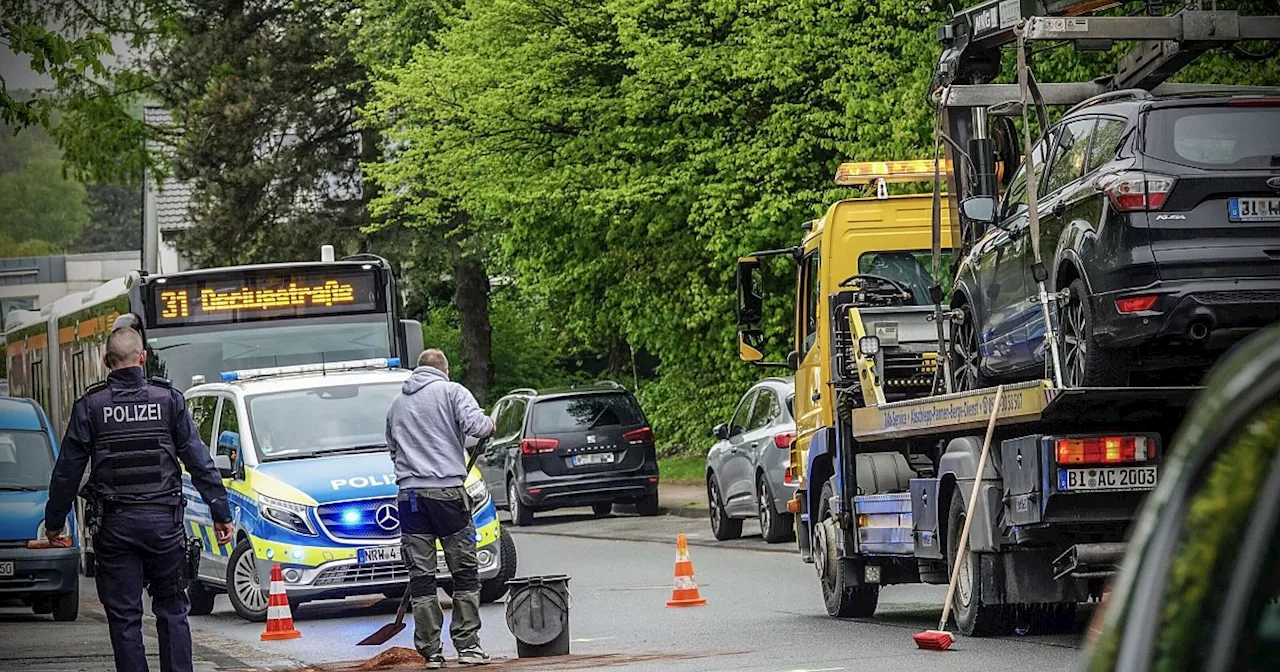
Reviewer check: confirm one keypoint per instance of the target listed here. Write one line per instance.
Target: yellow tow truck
(883, 452)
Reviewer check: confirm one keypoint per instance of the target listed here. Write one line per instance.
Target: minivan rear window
(1215, 137)
(26, 460)
(589, 411)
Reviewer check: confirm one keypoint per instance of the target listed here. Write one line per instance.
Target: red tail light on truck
(1105, 450)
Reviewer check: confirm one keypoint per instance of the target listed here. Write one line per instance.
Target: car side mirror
(223, 463)
(228, 442)
(981, 209)
(720, 431)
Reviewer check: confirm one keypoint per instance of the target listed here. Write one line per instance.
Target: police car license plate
(595, 458)
(378, 554)
(6, 568)
(1107, 478)
(1253, 209)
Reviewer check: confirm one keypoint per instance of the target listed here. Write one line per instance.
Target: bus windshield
(208, 351)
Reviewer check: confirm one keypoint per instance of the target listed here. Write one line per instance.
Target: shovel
(386, 632)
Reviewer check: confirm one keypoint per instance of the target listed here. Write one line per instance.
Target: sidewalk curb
(684, 511)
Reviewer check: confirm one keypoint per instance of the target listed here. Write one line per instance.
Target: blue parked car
(47, 578)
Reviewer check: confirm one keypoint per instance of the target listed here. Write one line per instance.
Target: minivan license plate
(1107, 478)
(378, 554)
(594, 458)
(6, 568)
(1254, 209)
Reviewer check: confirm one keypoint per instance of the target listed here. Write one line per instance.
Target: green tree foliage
(41, 204)
(115, 219)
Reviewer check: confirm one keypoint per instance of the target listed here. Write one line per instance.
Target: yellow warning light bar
(865, 172)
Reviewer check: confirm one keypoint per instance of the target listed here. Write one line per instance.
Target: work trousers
(428, 515)
(138, 546)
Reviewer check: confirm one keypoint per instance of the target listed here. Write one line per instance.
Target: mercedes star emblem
(387, 517)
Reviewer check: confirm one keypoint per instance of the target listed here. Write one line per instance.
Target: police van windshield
(25, 460)
(210, 351)
(334, 418)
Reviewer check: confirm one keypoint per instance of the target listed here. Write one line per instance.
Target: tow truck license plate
(595, 458)
(378, 554)
(6, 568)
(1254, 209)
(1107, 478)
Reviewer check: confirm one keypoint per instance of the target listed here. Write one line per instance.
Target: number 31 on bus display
(175, 303)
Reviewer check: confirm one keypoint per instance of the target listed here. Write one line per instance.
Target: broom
(940, 639)
(386, 632)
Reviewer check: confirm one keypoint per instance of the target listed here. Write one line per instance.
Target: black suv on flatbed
(1160, 225)
(586, 445)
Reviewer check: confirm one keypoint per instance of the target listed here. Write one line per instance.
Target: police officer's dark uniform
(136, 431)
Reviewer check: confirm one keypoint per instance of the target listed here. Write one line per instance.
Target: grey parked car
(748, 472)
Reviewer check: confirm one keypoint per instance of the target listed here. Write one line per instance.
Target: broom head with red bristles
(934, 640)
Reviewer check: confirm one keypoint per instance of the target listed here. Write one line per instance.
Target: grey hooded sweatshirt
(426, 428)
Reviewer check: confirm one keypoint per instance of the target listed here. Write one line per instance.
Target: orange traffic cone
(685, 594)
(279, 617)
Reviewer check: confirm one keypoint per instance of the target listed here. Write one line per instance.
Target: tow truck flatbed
(1036, 401)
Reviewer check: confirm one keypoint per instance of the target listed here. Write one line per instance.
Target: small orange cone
(685, 594)
(279, 617)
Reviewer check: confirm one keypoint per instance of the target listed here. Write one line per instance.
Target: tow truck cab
(887, 460)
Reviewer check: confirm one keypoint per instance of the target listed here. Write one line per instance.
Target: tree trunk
(471, 296)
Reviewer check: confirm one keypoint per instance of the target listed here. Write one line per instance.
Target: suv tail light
(784, 440)
(1105, 450)
(535, 446)
(1135, 304)
(642, 435)
(1136, 192)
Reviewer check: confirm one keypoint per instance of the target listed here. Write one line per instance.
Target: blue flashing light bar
(329, 367)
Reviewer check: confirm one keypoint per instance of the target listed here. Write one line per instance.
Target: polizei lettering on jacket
(131, 413)
(363, 481)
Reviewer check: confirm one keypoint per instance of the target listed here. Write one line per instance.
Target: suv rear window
(1215, 137)
(568, 414)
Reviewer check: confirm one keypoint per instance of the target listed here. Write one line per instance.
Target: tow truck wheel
(843, 599)
(493, 589)
(973, 618)
(244, 588)
(201, 598)
(775, 527)
(723, 528)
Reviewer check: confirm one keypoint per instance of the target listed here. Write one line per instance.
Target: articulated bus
(198, 324)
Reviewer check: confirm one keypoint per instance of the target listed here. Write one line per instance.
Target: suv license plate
(1107, 478)
(1254, 209)
(6, 568)
(595, 458)
(378, 554)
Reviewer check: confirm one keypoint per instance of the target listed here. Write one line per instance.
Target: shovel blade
(383, 635)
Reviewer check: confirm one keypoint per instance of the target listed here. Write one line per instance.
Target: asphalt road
(764, 613)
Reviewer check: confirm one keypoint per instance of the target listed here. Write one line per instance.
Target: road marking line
(584, 640)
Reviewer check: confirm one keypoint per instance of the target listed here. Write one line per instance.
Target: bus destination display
(263, 296)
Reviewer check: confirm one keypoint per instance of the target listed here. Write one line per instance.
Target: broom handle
(961, 549)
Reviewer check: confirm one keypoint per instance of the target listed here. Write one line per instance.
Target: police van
(303, 455)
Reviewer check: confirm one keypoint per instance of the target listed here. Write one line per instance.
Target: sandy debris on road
(403, 658)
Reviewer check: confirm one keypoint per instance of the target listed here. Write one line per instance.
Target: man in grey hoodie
(426, 428)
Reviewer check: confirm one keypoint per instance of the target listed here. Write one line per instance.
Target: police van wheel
(244, 588)
(493, 589)
(201, 598)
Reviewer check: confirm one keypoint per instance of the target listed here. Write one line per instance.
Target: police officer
(136, 431)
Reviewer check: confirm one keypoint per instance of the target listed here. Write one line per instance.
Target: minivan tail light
(535, 446)
(642, 435)
(1105, 450)
(784, 440)
(1137, 192)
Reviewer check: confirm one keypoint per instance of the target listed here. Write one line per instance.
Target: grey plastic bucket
(538, 615)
